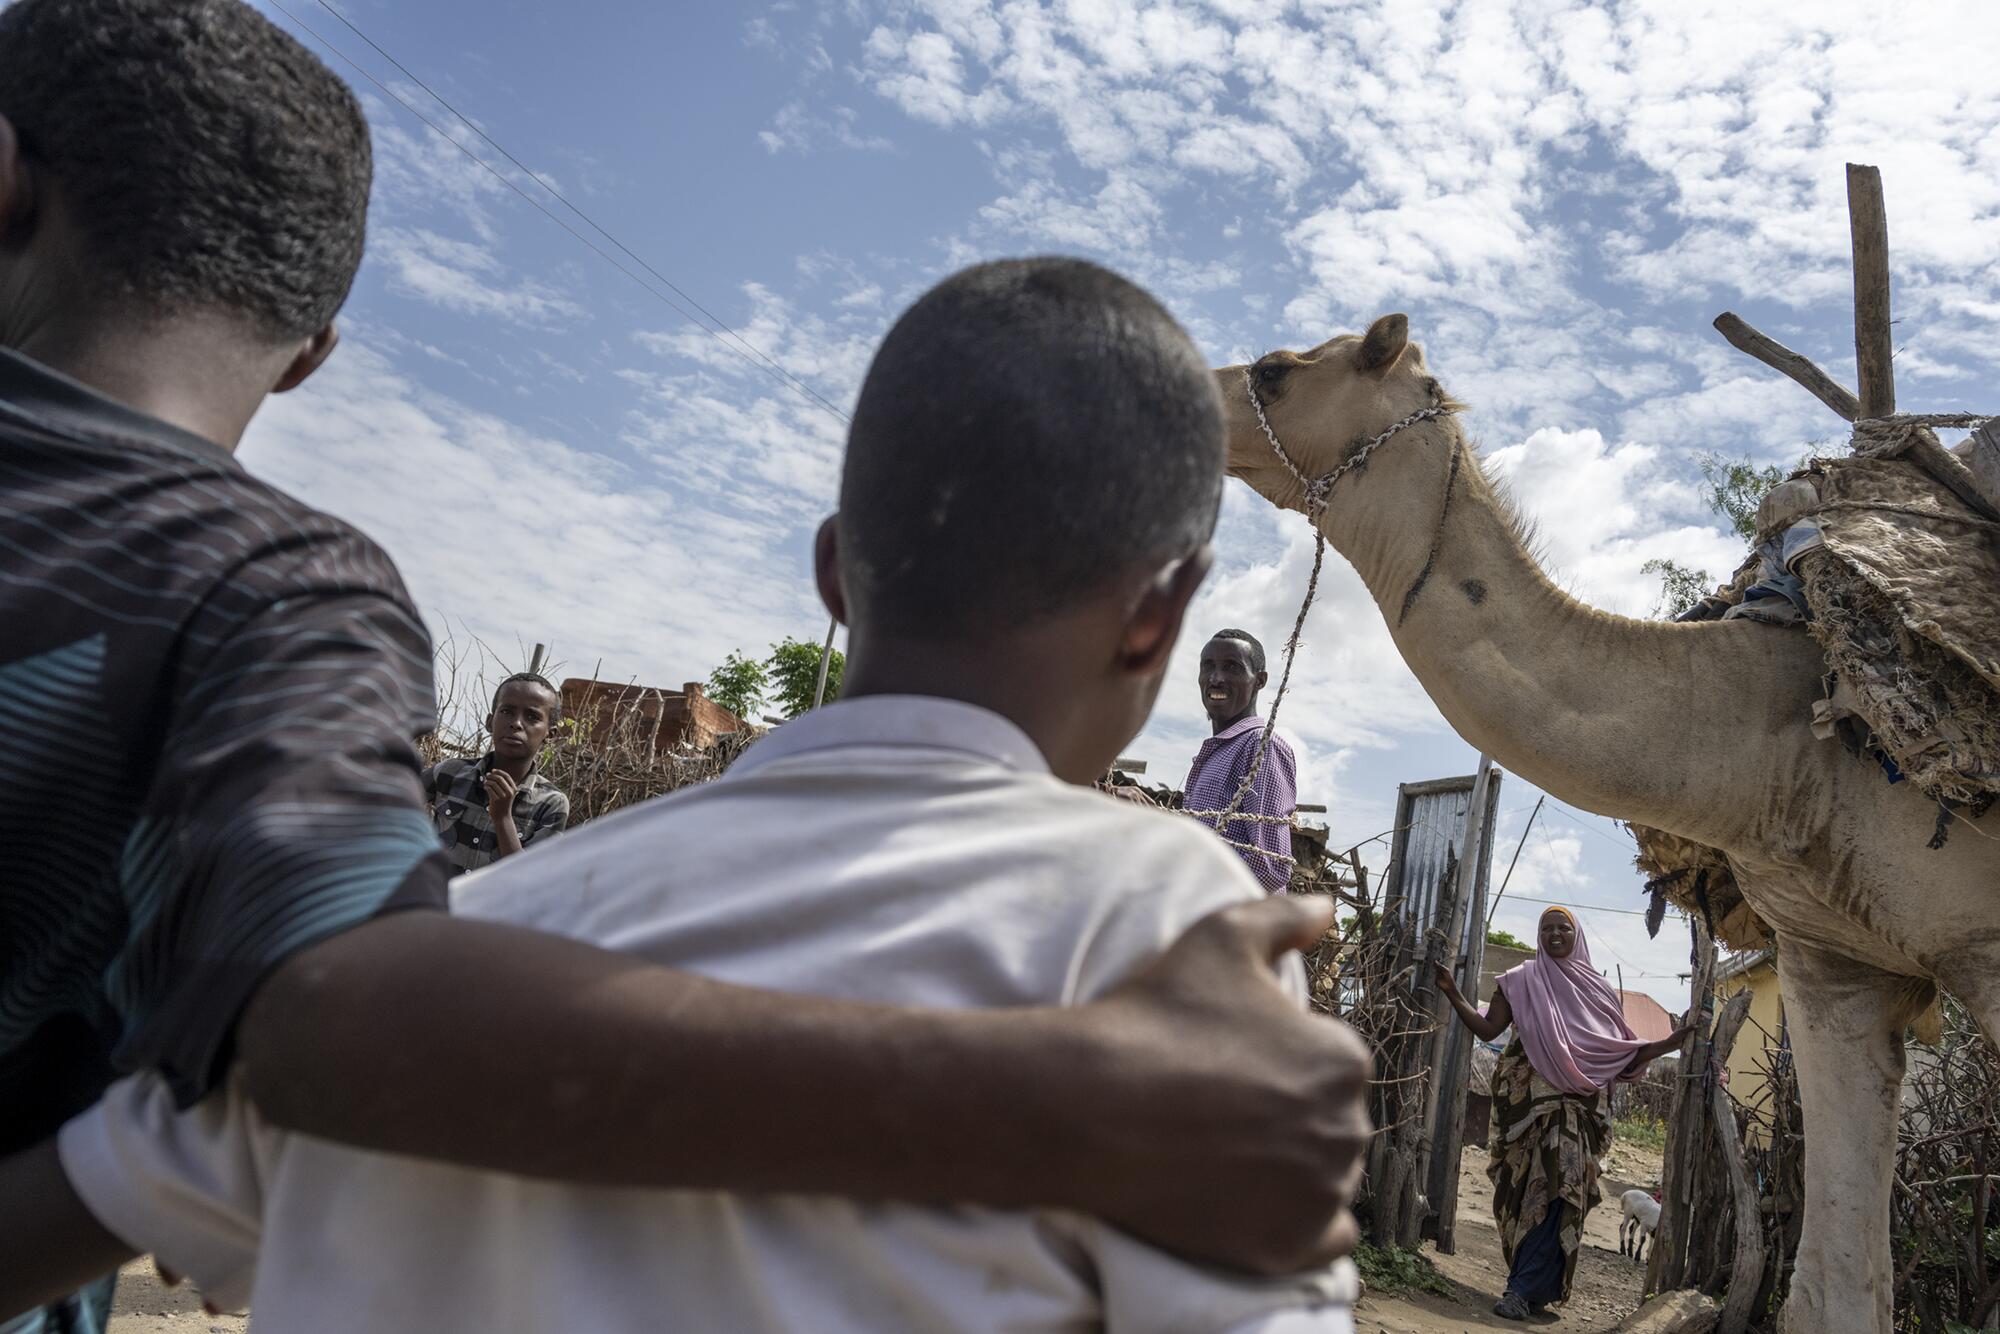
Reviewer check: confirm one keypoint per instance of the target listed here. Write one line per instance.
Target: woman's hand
(1442, 976)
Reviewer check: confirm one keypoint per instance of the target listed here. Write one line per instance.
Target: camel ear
(1384, 343)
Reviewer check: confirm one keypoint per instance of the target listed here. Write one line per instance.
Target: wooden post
(1746, 1270)
(1686, 1128)
(1781, 358)
(1868, 225)
(535, 663)
(1448, 1132)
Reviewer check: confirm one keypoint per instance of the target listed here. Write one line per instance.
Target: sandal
(1512, 1306)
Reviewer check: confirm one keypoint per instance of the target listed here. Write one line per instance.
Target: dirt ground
(1607, 1284)
(147, 1306)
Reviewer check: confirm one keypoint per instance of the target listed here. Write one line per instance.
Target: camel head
(1323, 404)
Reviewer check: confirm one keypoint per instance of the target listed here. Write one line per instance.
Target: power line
(721, 332)
(1583, 822)
(1580, 907)
(1506, 879)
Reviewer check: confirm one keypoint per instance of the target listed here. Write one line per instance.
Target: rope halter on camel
(1317, 495)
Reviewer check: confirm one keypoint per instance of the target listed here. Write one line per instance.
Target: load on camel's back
(1895, 575)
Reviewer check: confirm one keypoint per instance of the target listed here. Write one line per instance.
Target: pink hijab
(1569, 1018)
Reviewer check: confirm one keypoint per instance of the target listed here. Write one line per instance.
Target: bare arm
(1660, 1048)
(1485, 1027)
(1195, 1105)
(52, 1243)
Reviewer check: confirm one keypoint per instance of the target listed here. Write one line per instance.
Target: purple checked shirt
(1218, 771)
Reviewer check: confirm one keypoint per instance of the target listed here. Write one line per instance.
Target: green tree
(1735, 487)
(794, 669)
(1680, 586)
(739, 685)
(1505, 939)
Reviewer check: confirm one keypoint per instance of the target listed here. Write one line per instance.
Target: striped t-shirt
(208, 698)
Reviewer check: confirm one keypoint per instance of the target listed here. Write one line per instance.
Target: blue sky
(1561, 195)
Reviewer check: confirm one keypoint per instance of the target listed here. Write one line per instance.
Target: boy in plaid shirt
(494, 806)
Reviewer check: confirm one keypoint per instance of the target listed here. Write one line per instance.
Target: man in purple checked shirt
(1232, 672)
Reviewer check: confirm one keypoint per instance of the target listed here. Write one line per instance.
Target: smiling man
(1232, 672)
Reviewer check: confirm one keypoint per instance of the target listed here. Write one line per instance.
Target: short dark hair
(212, 162)
(1256, 645)
(1029, 429)
(530, 678)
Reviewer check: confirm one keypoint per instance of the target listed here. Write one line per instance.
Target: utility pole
(1507, 879)
(825, 658)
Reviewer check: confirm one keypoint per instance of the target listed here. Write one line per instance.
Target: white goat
(1642, 1216)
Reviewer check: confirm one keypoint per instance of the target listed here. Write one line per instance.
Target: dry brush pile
(1363, 971)
(1945, 1221)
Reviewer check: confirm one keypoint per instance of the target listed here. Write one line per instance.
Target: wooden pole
(1508, 878)
(535, 663)
(1746, 1270)
(825, 659)
(1687, 1126)
(1781, 358)
(1469, 877)
(1444, 1114)
(1868, 224)
(1450, 1145)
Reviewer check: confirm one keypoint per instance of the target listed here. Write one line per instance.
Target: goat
(1642, 1216)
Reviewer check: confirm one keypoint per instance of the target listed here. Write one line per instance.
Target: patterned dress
(1546, 1147)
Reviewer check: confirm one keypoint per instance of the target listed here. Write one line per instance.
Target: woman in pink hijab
(1551, 1118)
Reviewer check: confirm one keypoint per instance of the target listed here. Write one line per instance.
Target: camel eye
(1271, 372)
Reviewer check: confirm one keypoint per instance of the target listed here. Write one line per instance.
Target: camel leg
(1846, 1021)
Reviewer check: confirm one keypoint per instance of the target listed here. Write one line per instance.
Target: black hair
(210, 161)
(1256, 645)
(1029, 429)
(530, 678)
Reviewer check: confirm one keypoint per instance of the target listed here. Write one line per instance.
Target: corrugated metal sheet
(1431, 823)
(1436, 828)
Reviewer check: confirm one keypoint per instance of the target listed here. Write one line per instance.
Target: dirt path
(1607, 1284)
(147, 1306)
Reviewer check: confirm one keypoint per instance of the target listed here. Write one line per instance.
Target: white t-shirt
(897, 849)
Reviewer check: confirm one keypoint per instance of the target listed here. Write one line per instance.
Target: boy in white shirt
(1030, 487)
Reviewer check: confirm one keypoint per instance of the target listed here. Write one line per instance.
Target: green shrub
(1641, 1130)
(1392, 1270)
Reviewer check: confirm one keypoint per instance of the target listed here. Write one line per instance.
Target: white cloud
(465, 276)
(519, 537)
(797, 129)
(1602, 511)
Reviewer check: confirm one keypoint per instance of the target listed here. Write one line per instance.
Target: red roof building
(1649, 1019)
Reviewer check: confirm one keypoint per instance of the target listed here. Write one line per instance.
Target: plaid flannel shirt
(457, 790)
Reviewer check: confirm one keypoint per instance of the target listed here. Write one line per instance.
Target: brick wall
(678, 719)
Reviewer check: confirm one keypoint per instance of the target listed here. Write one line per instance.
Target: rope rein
(1317, 495)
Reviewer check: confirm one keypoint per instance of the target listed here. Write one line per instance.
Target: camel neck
(1615, 715)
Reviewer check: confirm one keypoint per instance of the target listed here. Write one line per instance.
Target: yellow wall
(1749, 1061)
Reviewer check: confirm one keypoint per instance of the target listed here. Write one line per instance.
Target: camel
(1696, 729)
